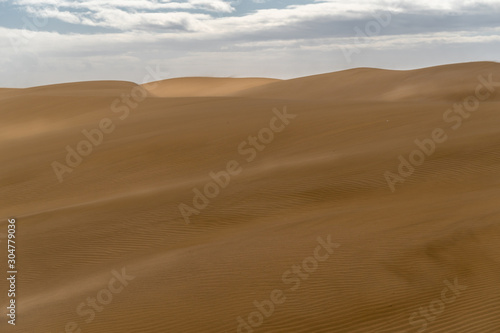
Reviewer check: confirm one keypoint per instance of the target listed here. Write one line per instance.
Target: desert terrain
(365, 200)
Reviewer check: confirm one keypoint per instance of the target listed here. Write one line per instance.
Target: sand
(422, 258)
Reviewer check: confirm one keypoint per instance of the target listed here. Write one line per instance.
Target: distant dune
(359, 201)
(204, 86)
(442, 82)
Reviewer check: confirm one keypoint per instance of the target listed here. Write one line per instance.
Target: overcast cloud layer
(52, 41)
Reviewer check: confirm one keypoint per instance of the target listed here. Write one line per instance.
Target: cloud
(198, 15)
(128, 15)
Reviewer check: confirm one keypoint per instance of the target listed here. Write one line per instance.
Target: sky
(55, 41)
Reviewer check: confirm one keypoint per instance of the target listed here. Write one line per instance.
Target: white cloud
(143, 14)
(128, 14)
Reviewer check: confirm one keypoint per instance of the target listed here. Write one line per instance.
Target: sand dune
(438, 83)
(424, 258)
(204, 86)
(101, 88)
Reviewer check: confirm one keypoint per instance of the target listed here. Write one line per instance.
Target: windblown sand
(322, 175)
